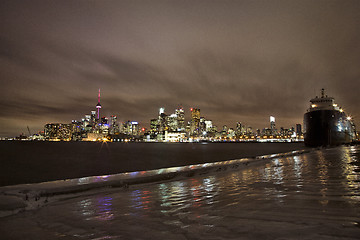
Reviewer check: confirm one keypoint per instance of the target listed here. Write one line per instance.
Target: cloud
(236, 60)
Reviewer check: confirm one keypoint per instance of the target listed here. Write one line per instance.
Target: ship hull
(327, 128)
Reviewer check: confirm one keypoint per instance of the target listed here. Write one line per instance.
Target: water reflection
(322, 168)
(99, 208)
(193, 193)
(141, 199)
(313, 187)
(278, 174)
(297, 168)
(351, 171)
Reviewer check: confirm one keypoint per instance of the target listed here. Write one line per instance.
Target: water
(314, 195)
(32, 162)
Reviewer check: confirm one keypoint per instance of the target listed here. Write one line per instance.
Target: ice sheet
(31, 196)
(314, 195)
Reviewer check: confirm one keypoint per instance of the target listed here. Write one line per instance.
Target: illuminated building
(174, 136)
(162, 120)
(230, 133)
(195, 121)
(104, 125)
(172, 122)
(202, 125)
(104, 120)
(113, 125)
(249, 131)
(298, 130)
(77, 130)
(131, 128)
(180, 119)
(86, 122)
(93, 118)
(154, 125)
(266, 132)
(238, 128)
(272, 125)
(58, 131)
(286, 133)
(175, 122)
(208, 126)
(225, 128)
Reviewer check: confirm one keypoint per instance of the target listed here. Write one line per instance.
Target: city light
(165, 127)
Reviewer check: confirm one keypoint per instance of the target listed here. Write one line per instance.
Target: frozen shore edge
(22, 197)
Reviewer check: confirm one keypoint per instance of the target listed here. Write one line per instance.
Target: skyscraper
(298, 130)
(195, 121)
(162, 119)
(272, 125)
(114, 127)
(180, 119)
(154, 125)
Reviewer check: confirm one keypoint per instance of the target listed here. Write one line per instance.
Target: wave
(16, 198)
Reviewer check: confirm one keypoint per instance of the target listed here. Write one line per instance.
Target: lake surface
(315, 195)
(32, 162)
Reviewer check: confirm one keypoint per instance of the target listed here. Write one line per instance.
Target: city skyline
(187, 120)
(165, 127)
(238, 61)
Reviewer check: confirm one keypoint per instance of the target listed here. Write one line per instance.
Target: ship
(326, 124)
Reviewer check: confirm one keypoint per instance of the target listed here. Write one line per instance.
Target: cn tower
(98, 106)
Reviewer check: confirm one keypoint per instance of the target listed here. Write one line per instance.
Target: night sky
(235, 60)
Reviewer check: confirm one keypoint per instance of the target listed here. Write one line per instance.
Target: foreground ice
(314, 195)
(21, 197)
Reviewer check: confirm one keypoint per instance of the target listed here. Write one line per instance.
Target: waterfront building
(58, 131)
(266, 132)
(174, 136)
(92, 137)
(225, 128)
(238, 128)
(258, 132)
(249, 131)
(231, 133)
